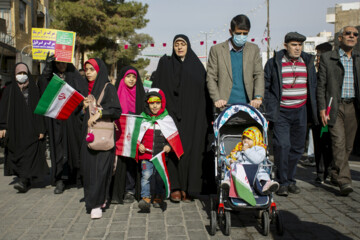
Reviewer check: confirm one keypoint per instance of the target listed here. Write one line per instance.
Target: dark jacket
(331, 77)
(273, 85)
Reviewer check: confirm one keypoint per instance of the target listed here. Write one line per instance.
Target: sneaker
(270, 186)
(293, 189)
(129, 198)
(96, 213)
(144, 204)
(318, 180)
(310, 162)
(283, 191)
(158, 201)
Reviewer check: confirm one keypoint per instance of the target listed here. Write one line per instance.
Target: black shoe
(60, 186)
(144, 204)
(346, 189)
(129, 198)
(294, 189)
(334, 181)
(318, 180)
(283, 191)
(22, 186)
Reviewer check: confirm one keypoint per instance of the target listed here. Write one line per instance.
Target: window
(22, 15)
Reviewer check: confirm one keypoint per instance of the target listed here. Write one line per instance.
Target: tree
(103, 27)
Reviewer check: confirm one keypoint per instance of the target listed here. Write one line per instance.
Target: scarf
(254, 134)
(127, 96)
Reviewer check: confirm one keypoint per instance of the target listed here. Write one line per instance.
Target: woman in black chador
(97, 166)
(182, 78)
(24, 130)
(64, 135)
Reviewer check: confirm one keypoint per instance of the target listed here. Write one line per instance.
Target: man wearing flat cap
(290, 100)
(339, 78)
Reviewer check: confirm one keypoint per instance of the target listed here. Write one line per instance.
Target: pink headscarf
(127, 96)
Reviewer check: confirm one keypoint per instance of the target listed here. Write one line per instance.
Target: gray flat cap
(294, 36)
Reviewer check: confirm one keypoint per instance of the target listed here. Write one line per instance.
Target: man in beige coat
(234, 70)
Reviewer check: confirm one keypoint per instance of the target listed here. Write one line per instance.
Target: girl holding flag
(130, 90)
(158, 134)
(97, 165)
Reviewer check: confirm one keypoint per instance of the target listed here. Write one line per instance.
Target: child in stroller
(251, 150)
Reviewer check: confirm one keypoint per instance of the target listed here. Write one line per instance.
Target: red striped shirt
(294, 83)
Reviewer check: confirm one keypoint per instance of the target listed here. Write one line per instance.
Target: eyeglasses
(241, 33)
(348, 33)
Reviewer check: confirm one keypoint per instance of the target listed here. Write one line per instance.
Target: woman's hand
(245, 146)
(93, 119)
(41, 136)
(167, 148)
(2, 133)
(86, 102)
(142, 148)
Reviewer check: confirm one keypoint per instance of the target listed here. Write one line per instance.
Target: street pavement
(319, 212)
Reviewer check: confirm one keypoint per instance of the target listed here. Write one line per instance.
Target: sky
(196, 17)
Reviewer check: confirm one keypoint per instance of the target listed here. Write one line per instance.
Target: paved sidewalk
(316, 213)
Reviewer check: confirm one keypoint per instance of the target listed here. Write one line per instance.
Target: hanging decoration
(201, 42)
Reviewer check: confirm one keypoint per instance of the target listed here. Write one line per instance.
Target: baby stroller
(228, 128)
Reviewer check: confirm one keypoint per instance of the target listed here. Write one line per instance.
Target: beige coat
(219, 73)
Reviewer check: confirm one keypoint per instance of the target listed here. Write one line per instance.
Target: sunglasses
(348, 33)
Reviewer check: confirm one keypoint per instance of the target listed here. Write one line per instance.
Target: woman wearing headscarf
(23, 129)
(125, 185)
(64, 135)
(182, 78)
(97, 165)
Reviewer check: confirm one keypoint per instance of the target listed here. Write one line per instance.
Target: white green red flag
(240, 183)
(59, 100)
(127, 135)
(160, 165)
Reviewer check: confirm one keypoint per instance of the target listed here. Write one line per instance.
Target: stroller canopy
(233, 110)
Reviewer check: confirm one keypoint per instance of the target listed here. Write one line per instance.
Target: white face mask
(21, 78)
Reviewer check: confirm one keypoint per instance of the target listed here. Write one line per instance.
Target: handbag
(101, 135)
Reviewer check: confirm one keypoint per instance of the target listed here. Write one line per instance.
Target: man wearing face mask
(234, 70)
(290, 100)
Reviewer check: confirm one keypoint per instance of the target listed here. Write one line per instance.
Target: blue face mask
(239, 40)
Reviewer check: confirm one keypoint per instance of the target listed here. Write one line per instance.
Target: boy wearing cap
(290, 99)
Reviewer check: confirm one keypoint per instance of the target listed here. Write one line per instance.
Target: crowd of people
(294, 90)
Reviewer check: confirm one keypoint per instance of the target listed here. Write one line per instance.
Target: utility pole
(268, 29)
(206, 37)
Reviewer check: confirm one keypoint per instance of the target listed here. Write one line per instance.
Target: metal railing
(7, 39)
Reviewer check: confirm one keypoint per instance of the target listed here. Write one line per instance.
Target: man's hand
(324, 118)
(220, 103)
(256, 103)
(142, 148)
(41, 136)
(2, 133)
(167, 148)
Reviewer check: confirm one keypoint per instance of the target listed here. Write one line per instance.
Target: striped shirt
(347, 90)
(294, 83)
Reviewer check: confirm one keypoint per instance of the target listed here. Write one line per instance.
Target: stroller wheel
(213, 217)
(227, 224)
(279, 224)
(265, 223)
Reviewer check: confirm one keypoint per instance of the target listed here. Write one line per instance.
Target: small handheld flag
(326, 128)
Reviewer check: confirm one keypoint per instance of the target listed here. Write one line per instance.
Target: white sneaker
(96, 213)
(270, 186)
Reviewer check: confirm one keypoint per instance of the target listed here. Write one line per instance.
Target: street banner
(57, 42)
(59, 100)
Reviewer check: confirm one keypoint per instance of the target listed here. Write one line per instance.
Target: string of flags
(139, 45)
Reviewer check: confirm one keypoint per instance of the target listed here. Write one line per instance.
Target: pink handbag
(103, 130)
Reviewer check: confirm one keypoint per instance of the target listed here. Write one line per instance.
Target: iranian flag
(240, 183)
(59, 100)
(160, 165)
(128, 134)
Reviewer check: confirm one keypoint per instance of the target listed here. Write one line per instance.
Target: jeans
(150, 175)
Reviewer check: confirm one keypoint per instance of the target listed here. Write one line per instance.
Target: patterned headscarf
(254, 134)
